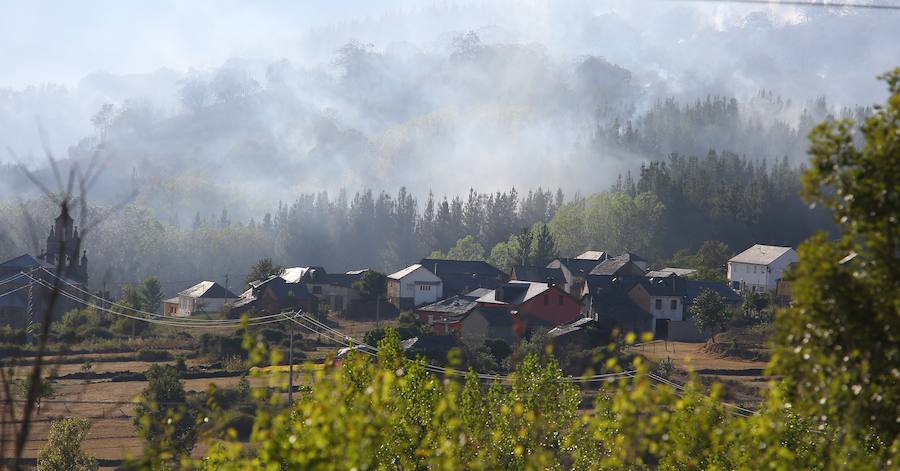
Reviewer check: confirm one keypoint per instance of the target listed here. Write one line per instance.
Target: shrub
(63, 449)
(154, 355)
(97, 332)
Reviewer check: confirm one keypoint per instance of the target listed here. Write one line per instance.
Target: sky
(60, 42)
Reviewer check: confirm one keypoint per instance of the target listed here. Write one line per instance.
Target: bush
(10, 335)
(154, 355)
(63, 449)
(97, 332)
(242, 424)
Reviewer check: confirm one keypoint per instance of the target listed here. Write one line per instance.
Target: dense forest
(672, 204)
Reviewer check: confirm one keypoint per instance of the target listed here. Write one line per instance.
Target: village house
(760, 268)
(446, 316)
(518, 307)
(274, 295)
(335, 291)
(463, 276)
(206, 296)
(413, 286)
(575, 270)
(658, 304)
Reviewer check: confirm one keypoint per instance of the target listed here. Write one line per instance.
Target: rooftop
(404, 272)
(761, 254)
(207, 289)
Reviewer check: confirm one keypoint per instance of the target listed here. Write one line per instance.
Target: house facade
(760, 268)
(413, 286)
(206, 296)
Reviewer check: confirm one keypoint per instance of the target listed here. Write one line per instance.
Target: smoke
(248, 104)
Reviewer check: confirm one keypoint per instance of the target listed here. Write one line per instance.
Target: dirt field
(742, 378)
(112, 436)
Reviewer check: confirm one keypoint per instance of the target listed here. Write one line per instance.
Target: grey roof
(632, 257)
(695, 287)
(761, 254)
(598, 255)
(679, 271)
(541, 274)
(477, 293)
(514, 292)
(406, 271)
(570, 327)
(460, 276)
(617, 266)
(207, 289)
(578, 266)
(453, 306)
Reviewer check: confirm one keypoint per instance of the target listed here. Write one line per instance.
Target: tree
(466, 249)
(162, 417)
(63, 449)
(544, 247)
(262, 269)
(151, 294)
(709, 312)
(524, 239)
(838, 344)
(371, 285)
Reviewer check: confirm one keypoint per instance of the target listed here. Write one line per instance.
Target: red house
(531, 304)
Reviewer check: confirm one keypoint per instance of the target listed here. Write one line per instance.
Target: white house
(760, 267)
(413, 286)
(206, 296)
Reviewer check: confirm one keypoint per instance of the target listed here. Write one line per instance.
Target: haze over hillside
(267, 101)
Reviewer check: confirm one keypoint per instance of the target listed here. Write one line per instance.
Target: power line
(800, 3)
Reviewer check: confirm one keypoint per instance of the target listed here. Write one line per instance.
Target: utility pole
(226, 282)
(291, 368)
(30, 321)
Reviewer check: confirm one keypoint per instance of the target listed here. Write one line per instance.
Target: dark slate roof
(496, 316)
(632, 257)
(602, 283)
(617, 266)
(342, 279)
(453, 306)
(695, 287)
(283, 290)
(22, 262)
(459, 276)
(539, 274)
(578, 266)
(668, 286)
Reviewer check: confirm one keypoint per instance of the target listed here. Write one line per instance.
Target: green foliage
(710, 312)
(63, 449)
(372, 285)
(838, 344)
(262, 269)
(151, 294)
(43, 389)
(614, 221)
(544, 247)
(163, 418)
(710, 261)
(466, 249)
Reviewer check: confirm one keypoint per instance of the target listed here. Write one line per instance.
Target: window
(424, 287)
(546, 299)
(673, 304)
(561, 300)
(659, 304)
(317, 290)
